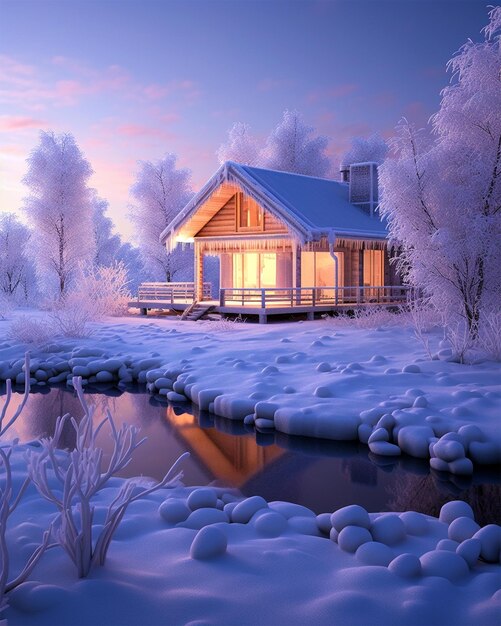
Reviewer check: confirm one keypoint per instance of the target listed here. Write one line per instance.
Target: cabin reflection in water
(228, 458)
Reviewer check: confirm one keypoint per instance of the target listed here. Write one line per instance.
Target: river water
(321, 475)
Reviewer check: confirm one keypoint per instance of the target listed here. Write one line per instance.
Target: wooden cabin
(288, 242)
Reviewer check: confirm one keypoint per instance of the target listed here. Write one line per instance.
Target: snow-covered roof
(311, 207)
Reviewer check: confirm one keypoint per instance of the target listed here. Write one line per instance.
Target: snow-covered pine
(59, 210)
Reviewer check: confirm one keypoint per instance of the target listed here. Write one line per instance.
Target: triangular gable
(209, 200)
(309, 207)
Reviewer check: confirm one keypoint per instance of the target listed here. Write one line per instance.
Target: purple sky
(133, 79)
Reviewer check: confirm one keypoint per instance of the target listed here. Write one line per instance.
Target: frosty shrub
(26, 329)
(71, 480)
(70, 316)
(490, 334)
(423, 318)
(375, 317)
(7, 305)
(368, 317)
(10, 498)
(226, 324)
(461, 336)
(104, 288)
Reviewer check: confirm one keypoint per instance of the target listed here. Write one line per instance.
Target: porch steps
(196, 311)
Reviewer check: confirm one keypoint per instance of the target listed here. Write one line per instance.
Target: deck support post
(310, 315)
(262, 318)
(199, 273)
(143, 311)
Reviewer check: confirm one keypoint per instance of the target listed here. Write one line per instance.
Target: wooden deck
(269, 302)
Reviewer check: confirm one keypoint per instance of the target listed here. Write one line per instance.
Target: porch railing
(171, 292)
(313, 296)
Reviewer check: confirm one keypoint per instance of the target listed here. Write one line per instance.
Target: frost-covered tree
(364, 149)
(16, 268)
(130, 256)
(293, 147)
(59, 209)
(442, 197)
(161, 190)
(107, 244)
(241, 146)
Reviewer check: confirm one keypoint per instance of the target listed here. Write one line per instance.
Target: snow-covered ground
(179, 558)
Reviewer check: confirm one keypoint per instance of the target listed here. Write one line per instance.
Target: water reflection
(323, 475)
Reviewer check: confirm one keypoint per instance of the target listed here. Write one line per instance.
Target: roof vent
(364, 186)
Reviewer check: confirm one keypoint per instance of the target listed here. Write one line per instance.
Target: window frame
(246, 229)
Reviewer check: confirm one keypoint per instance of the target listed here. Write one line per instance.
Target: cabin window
(249, 214)
(373, 268)
(319, 270)
(252, 270)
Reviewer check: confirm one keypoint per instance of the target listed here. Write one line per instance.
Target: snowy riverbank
(318, 379)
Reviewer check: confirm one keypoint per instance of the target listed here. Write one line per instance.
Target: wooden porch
(265, 302)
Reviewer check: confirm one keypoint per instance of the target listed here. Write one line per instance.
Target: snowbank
(207, 556)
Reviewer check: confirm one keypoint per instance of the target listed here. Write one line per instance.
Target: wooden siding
(224, 223)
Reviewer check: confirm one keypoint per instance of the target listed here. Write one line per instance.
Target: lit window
(250, 214)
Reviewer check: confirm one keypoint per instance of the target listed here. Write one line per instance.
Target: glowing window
(373, 267)
(250, 214)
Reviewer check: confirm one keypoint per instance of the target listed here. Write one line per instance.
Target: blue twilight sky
(133, 79)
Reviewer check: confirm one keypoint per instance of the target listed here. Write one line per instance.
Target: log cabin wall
(224, 223)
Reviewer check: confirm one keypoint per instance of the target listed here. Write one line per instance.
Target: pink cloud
(384, 98)
(269, 84)
(141, 131)
(416, 112)
(155, 92)
(17, 122)
(337, 91)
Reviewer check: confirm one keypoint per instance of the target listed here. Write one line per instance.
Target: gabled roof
(310, 207)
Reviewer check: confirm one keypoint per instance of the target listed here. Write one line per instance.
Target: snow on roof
(310, 206)
(321, 203)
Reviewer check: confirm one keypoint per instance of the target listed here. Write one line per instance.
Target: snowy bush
(70, 316)
(490, 334)
(423, 318)
(375, 317)
(26, 329)
(367, 318)
(104, 288)
(7, 305)
(226, 324)
(80, 475)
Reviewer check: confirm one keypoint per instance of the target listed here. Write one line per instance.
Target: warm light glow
(250, 214)
(318, 269)
(373, 268)
(254, 270)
